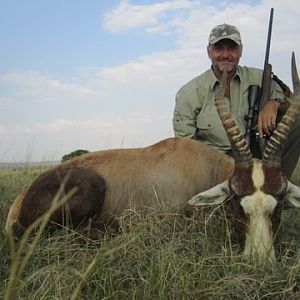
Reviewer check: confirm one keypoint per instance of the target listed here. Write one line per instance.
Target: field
(152, 256)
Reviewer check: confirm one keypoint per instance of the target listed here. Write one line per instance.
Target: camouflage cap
(225, 31)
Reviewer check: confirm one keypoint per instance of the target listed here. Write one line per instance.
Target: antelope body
(164, 176)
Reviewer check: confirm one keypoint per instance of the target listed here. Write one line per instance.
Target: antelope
(161, 176)
(257, 189)
(173, 175)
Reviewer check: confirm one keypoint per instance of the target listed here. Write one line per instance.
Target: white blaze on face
(259, 207)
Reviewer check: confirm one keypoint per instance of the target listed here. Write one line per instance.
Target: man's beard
(226, 66)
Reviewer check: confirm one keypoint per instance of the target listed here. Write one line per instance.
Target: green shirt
(195, 114)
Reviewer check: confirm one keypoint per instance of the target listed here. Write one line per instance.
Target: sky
(87, 74)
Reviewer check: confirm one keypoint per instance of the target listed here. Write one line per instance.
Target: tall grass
(151, 256)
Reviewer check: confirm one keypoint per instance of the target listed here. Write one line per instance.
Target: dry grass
(153, 256)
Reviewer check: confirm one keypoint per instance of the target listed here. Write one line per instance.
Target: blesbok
(257, 189)
(167, 175)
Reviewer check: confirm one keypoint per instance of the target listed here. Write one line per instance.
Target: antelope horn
(273, 150)
(295, 77)
(241, 150)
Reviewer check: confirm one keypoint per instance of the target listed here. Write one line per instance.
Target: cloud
(115, 127)
(41, 87)
(158, 70)
(127, 16)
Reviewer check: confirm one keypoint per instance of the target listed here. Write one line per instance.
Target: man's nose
(225, 52)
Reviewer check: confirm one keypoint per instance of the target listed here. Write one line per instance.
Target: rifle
(257, 98)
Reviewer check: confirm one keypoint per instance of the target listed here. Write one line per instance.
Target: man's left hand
(267, 118)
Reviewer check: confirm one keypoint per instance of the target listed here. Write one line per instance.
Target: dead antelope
(162, 176)
(167, 175)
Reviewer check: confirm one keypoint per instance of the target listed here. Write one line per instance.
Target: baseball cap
(225, 31)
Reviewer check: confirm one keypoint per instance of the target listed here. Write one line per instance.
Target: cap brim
(229, 37)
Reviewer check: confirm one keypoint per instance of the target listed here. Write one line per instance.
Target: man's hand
(267, 118)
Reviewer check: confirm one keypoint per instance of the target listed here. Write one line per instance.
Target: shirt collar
(213, 80)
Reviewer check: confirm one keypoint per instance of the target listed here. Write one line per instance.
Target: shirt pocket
(211, 130)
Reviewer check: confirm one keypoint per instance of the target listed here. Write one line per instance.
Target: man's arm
(185, 115)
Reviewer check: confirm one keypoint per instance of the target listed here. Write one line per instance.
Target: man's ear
(208, 51)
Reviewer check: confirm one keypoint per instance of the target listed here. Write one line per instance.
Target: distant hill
(12, 165)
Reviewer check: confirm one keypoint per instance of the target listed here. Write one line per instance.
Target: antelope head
(257, 189)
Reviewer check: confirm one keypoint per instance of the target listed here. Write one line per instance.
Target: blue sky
(104, 74)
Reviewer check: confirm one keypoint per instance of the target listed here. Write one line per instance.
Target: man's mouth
(226, 62)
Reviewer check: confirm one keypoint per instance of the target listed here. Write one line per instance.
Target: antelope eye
(234, 190)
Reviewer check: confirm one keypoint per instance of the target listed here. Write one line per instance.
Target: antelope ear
(215, 195)
(293, 194)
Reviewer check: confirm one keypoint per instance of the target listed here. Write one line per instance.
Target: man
(195, 114)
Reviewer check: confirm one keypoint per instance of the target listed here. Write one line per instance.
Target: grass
(153, 256)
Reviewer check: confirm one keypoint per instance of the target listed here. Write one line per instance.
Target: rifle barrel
(267, 73)
(269, 38)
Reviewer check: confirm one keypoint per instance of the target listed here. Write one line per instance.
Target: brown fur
(241, 185)
(163, 176)
(275, 185)
(275, 181)
(241, 181)
(85, 203)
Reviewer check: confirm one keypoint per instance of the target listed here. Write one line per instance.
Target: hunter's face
(224, 55)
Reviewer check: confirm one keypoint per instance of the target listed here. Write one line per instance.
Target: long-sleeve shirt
(195, 114)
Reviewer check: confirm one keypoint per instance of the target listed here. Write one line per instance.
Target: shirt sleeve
(276, 92)
(185, 114)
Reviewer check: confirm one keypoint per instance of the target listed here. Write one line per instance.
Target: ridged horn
(240, 148)
(273, 150)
